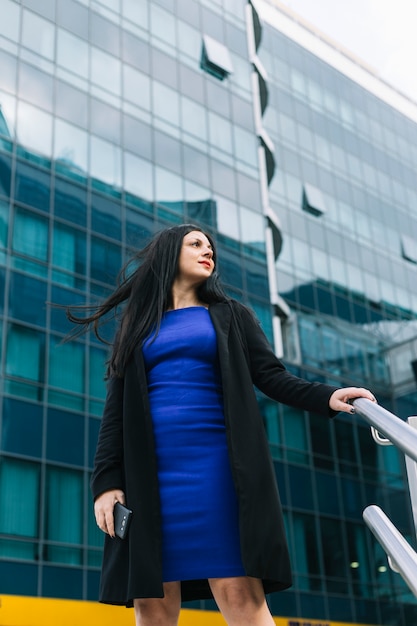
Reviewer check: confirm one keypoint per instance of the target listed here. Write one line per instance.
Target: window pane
(38, 34)
(166, 103)
(105, 261)
(69, 249)
(194, 118)
(138, 176)
(72, 53)
(34, 129)
(105, 70)
(35, 292)
(97, 369)
(25, 353)
(66, 365)
(136, 87)
(30, 235)
(70, 146)
(220, 132)
(63, 523)
(19, 495)
(105, 163)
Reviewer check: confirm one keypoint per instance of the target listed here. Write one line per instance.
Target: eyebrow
(202, 240)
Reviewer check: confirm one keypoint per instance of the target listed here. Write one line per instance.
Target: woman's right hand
(103, 509)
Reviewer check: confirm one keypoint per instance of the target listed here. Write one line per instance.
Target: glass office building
(119, 117)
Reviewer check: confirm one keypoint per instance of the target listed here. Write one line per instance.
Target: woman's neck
(181, 299)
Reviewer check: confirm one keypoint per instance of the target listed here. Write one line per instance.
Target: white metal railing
(401, 556)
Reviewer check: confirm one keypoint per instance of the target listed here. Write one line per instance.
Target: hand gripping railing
(401, 556)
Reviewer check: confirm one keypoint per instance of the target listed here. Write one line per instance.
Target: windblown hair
(142, 296)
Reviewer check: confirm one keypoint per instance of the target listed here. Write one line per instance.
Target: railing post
(412, 476)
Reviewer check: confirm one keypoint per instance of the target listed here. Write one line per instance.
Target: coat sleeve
(108, 461)
(270, 376)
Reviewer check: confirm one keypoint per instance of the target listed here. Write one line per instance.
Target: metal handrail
(401, 556)
(398, 432)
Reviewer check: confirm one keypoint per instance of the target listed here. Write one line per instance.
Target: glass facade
(113, 124)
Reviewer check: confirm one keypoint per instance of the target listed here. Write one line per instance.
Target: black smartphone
(122, 516)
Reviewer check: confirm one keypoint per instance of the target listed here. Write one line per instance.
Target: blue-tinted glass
(281, 481)
(327, 493)
(22, 427)
(2, 283)
(24, 289)
(65, 297)
(139, 228)
(33, 186)
(60, 582)
(93, 428)
(19, 578)
(300, 487)
(30, 235)
(64, 523)
(65, 437)
(105, 261)
(70, 202)
(25, 357)
(4, 224)
(66, 365)
(5, 174)
(93, 585)
(69, 249)
(19, 498)
(105, 217)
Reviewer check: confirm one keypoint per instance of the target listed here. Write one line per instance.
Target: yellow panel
(27, 611)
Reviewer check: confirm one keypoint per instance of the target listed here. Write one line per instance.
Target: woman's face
(195, 262)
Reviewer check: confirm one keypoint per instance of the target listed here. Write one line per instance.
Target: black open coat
(125, 459)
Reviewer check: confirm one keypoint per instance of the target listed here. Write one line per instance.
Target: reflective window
(136, 87)
(66, 374)
(72, 53)
(70, 201)
(38, 34)
(105, 120)
(252, 228)
(193, 118)
(36, 86)
(9, 23)
(105, 261)
(34, 128)
(246, 148)
(335, 559)
(97, 368)
(30, 235)
(227, 217)
(65, 435)
(105, 71)
(64, 523)
(25, 357)
(69, 249)
(5, 179)
(35, 291)
(220, 132)
(163, 24)
(105, 161)
(306, 558)
(19, 503)
(295, 434)
(138, 176)
(22, 427)
(136, 11)
(70, 146)
(168, 187)
(166, 103)
(106, 217)
(4, 224)
(7, 110)
(189, 40)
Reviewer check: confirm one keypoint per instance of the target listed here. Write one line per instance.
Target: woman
(182, 441)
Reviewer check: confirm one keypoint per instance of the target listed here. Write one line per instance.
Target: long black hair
(142, 296)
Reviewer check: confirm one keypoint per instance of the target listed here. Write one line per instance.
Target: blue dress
(200, 532)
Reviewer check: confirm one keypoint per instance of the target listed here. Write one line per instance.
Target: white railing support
(401, 555)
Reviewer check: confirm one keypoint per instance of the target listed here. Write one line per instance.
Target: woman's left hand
(339, 398)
